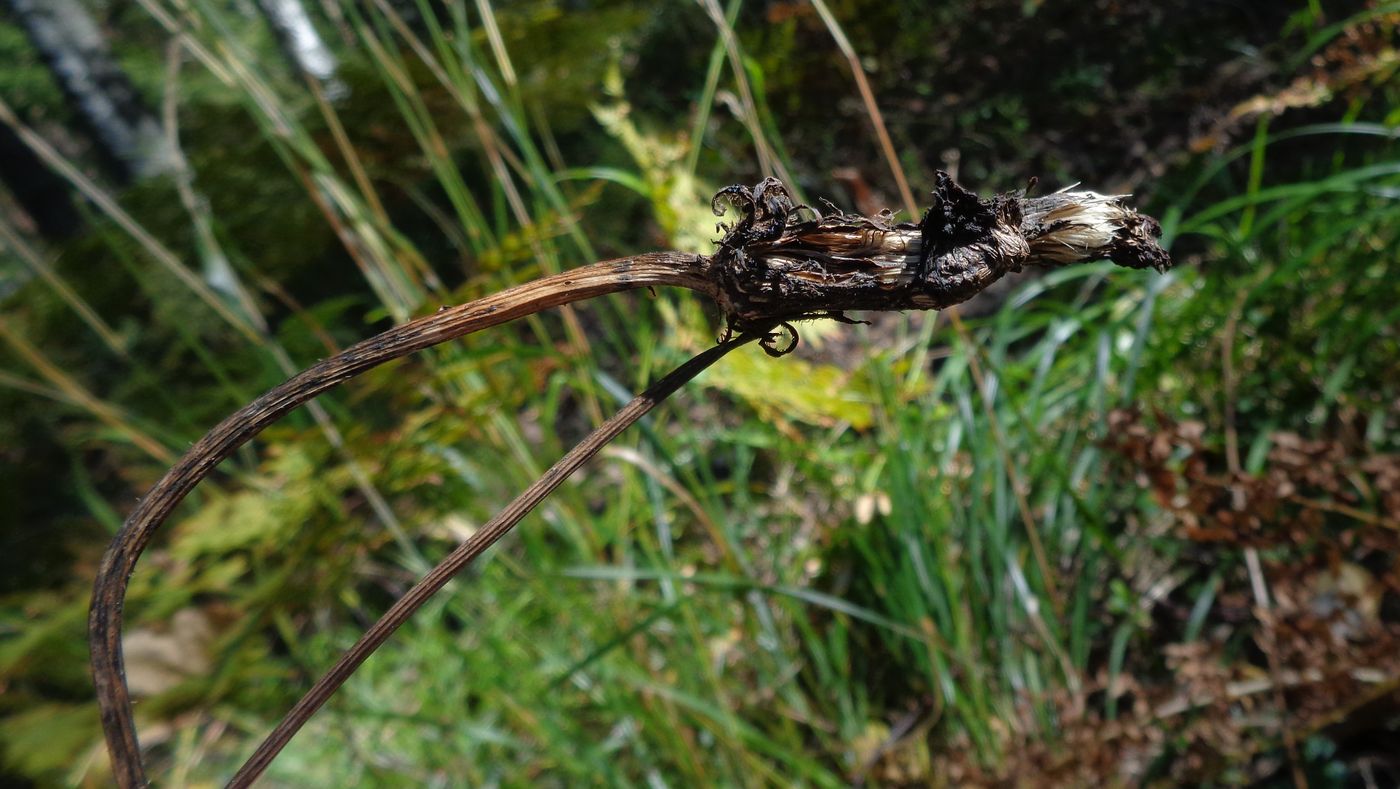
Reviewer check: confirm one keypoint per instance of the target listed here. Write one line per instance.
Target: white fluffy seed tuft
(1080, 226)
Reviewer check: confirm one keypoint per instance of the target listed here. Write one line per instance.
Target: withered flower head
(1076, 226)
(782, 261)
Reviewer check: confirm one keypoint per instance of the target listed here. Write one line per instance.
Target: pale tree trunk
(302, 44)
(127, 133)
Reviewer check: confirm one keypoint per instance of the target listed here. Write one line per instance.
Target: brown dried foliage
(1326, 514)
(1303, 486)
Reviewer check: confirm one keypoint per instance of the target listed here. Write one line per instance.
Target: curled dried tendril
(769, 341)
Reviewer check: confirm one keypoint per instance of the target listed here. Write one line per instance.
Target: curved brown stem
(774, 265)
(109, 590)
(482, 539)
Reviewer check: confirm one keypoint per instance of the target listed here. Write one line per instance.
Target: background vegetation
(1112, 527)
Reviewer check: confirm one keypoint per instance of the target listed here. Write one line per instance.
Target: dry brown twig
(777, 264)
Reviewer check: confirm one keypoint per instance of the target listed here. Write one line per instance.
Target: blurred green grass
(897, 555)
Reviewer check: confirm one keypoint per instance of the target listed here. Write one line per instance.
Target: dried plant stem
(482, 539)
(109, 591)
(779, 262)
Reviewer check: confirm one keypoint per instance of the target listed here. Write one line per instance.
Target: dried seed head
(1079, 226)
(782, 261)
